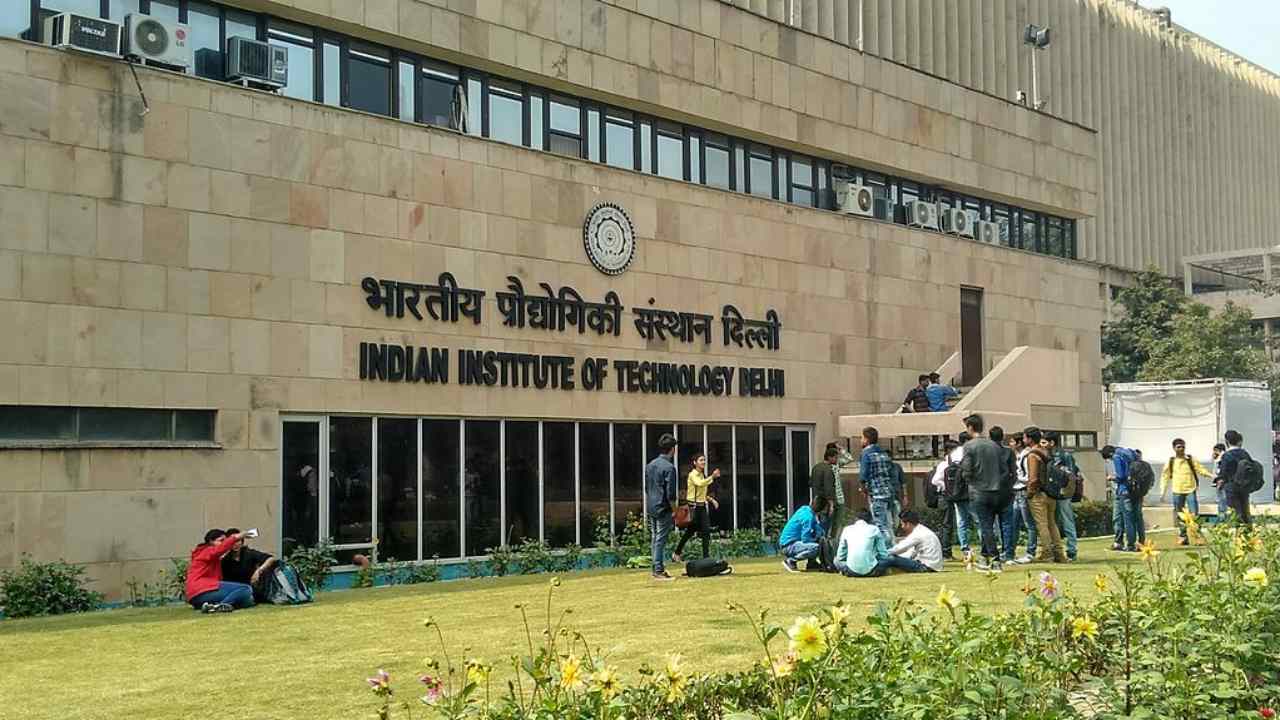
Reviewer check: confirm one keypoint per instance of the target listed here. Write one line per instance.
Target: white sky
(1250, 28)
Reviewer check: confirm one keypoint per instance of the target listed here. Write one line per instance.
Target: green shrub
(410, 572)
(1093, 519)
(52, 588)
(534, 556)
(775, 518)
(502, 560)
(313, 563)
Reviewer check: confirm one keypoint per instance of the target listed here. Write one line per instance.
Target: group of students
(224, 574)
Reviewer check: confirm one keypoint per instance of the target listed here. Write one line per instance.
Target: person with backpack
(824, 483)
(953, 453)
(1133, 480)
(985, 469)
(1182, 475)
(1019, 512)
(875, 470)
(1008, 539)
(1044, 506)
(1066, 512)
(917, 399)
(1218, 451)
(1239, 475)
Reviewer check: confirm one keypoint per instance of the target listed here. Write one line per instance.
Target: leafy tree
(1150, 307)
(1202, 344)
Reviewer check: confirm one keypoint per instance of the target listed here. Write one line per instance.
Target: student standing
(1182, 475)
(1127, 498)
(938, 393)
(953, 453)
(1218, 451)
(1019, 512)
(824, 483)
(699, 500)
(875, 469)
(1066, 512)
(917, 399)
(660, 491)
(1043, 507)
(1237, 498)
(985, 469)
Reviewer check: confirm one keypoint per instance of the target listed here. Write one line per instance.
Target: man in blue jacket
(1127, 510)
(801, 537)
(660, 490)
(938, 393)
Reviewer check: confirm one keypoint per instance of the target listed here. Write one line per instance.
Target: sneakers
(210, 608)
(663, 576)
(677, 557)
(1182, 541)
(790, 565)
(1117, 547)
(986, 566)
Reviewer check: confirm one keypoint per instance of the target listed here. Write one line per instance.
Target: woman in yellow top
(698, 481)
(1182, 472)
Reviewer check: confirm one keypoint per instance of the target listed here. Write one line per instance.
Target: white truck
(1147, 416)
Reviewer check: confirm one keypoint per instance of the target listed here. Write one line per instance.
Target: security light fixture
(1036, 36)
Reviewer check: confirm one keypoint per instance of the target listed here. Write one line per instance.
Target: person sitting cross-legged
(801, 537)
(862, 551)
(206, 590)
(919, 545)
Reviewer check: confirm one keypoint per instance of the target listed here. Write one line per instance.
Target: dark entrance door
(970, 336)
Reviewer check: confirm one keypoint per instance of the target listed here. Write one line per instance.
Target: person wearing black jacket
(1008, 540)
(985, 469)
(1237, 499)
(917, 399)
(825, 485)
(246, 565)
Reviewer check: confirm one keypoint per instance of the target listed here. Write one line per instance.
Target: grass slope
(311, 661)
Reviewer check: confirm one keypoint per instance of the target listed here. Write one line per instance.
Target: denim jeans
(1066, 516)
(232, 593)
(1118, 504)
(1135, 530)
(660, 526)
(967, 518)
(989, 508)
(801, 551)
(1019, 517)
(884, 511)
(1222, 505)
(1191, 503)
(882, 567)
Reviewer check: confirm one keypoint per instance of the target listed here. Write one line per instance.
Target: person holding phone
(699, 500)
(247, 566)
(206, 590)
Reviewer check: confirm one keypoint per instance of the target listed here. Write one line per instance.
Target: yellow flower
(840, 613)
(676, 679)
(808, 641)
(1100, 582)
(605, 681)
(1255, 544)
(1084, 627)
(785, 665)
(1256, 577)
(571, 676)
(555, 582)
(477, 672)
(948, 599)
(1148, 550)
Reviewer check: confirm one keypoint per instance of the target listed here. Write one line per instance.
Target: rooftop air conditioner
(156, 42)
(854, 199)
(87, 34)
(922, 214)
(957, 221)
(257, 63)
(988, 232)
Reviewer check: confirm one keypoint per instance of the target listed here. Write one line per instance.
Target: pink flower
(435, 689)
(380, 683)
(1048, 587)
(1266, 712)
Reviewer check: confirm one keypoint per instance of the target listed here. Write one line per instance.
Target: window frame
(77, 441)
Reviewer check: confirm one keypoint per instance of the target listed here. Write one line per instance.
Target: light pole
(1038, 38)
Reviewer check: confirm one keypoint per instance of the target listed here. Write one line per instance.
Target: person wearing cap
(660, 489)
(206, 590)
(247, 566)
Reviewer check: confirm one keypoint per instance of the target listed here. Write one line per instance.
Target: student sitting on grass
(863, 553)
(801, 538)
(920, 545)
(247, 566)
(206, 590)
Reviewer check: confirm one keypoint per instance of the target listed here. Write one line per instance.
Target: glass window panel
(824, 188)
(537, 134)
(593, 135)
(670, 155)
(125, 424)
(26, 422)
(593, 474)
(474, 107)
(205, 24)
(483, 486)
(350, 480)
(761, 175)
(652, 432)
(1087, 440)
(91, 8)
(1054, 242)
(717, 166)
(116, 9)
(746, 482)
(628, 476)
(775, 469)
(368, 79)
(646, 146)
(620, 150)
(301, 70)
(800, 468)
(565, 116)
(193, 425)
(243, 24)
(15, 18)
(506, 112)
(690, 437)
(440, 495)
(332, 74)
(300, 465)
(165, 10)
(559, 503)
(521, 466)
(1030, 235)
(739, 168)
(439, 87)
(563, 145)
(405, 92)
(397, 489)
(720, 457)
(1000, 216)
(801, 196)
(291, 32)
(695, 159)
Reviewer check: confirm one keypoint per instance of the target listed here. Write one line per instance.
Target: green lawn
(311, 661)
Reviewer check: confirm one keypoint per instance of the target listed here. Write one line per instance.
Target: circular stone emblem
(609, 238)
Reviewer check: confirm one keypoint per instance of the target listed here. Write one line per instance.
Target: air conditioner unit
(156, 42)
(988, 232)
(83, 33)
(257, 63)
(957, 222)
(854, 199)
(922, 214)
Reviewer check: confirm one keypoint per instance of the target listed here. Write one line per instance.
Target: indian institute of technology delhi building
(445, 288)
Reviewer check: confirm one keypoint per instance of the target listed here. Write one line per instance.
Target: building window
(803, 187)
(331, 70)
(368, 78)
(646, 146)
(482, 486)
(474, 100)
(351, 480)
(90, 8)
(506, 112)
(406, 97)
(775, 470)
(1029, 231)
(628, 475)
(116, 9)
(717, 160)
(746, 484)
(441, 92)
(206, 39)
(15, 19)
(1054, 242)
(95, 425)
(670, 151)
(397, 488)
(593, 482)
(537, 121)
(760, 172)
(441, 491)
(521, 474)
(301, 43)
(565, 127)
(620, 139)
(559, 502)
(593, 134)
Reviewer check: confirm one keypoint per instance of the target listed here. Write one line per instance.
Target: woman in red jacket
(206, 590)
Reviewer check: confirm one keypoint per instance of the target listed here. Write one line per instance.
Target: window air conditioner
(257, 63)
(156, 42)
(988, 232)
(922, 214)
(957, 222)
(854, 199)
(86, 34)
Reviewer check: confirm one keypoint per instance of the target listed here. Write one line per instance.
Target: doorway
(971, 370)
(799, 445)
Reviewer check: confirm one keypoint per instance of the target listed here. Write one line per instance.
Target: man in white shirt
(958, 515)
(920, 546)
(1019, 512)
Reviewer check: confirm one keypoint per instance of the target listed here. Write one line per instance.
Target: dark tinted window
(720, 457)
(775, 469)
(628, 475)
(559, 506)
(368, 79)
(483, 486)
(440, 488)
(524, 514)
(439, 87)
(397, 489)
(746, 486)
(206, 41)
(37, 423)
(593, 475)
(350, 480)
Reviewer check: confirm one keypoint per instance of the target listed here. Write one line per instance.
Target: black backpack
(1141, 478)
(1060, 483)
(930, 495)
(707, 567)
(954, 486)
(1248, 477)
